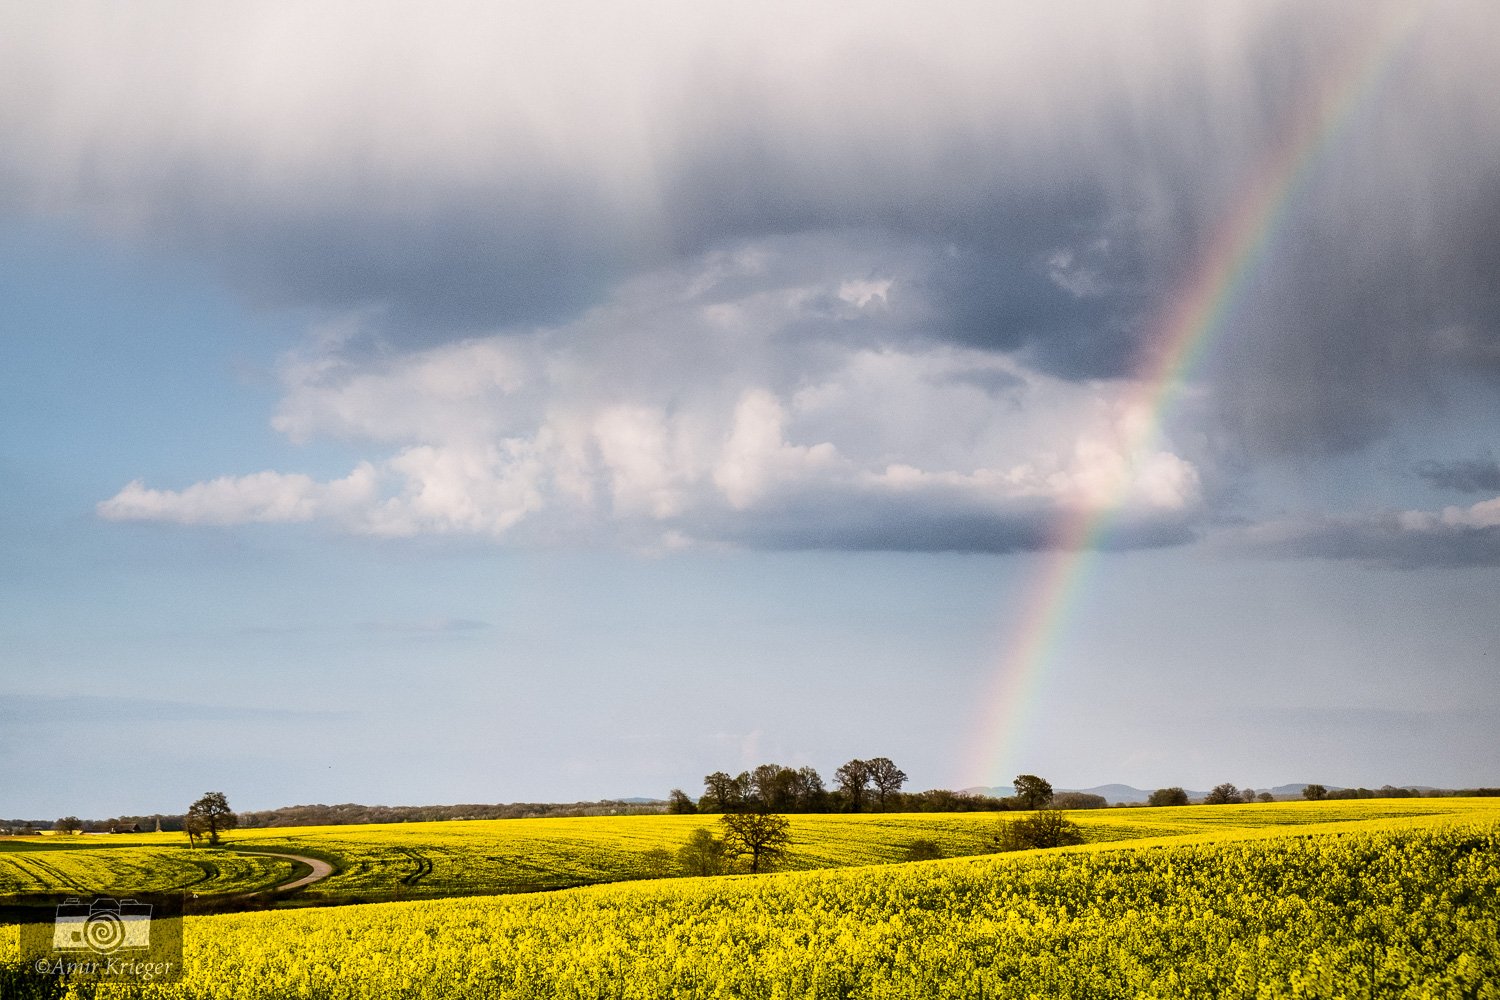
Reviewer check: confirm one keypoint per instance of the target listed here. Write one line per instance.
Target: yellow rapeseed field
(1400, 904)
(430, 860)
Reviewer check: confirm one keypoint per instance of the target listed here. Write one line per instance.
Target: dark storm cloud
(1356, 324)
(1045, 185)
(991, 163)
(535, 252)
(1476, 475)
(863, 521)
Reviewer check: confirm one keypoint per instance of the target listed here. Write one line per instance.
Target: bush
(1173, 796)
(1045, 828)
(922, 850)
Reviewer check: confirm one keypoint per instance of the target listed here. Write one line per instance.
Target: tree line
(353, 813)
(859, 786)
(876, 785)
(1227, 793)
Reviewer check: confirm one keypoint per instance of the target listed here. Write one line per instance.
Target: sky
(493, 403)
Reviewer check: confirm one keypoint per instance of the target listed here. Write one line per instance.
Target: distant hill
(1129, 793)
(1295, 791)
(1111, 793)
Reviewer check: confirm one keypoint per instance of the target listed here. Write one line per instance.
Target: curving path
(320, 870)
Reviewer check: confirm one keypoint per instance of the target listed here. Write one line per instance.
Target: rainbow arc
(1193, 321)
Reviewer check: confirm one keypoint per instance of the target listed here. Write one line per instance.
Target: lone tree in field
(1222, 795)
(1173, 796)
(1034, 792)
(215, 815)
(68, 824)
(853, 779)
(762, 837)
(885, 776)
(1314, 793)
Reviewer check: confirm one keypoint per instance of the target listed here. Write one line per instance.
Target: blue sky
(438, 407)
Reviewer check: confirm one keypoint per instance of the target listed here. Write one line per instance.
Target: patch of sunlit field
(1144, 822)
(122, 868)
(1392, 906)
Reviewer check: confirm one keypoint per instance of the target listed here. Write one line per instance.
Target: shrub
(1174, 796)
(1045, 828)
(922, 849)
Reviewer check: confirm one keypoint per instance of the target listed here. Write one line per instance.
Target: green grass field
(1350, 899)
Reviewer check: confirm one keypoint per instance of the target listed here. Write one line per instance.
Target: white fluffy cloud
(755, 392)
(259, 498)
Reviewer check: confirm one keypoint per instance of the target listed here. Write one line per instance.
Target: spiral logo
(104, 932)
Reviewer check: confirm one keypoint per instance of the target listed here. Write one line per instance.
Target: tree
(1046, 828)
(213, 809)
(811, 795)
(1034, 792)
(1247, 795)
(762, 837)
(1173, 796)
(774, 787)
(703, 854)
(885, 776)
(1314, 792)
(1265, 797)
(1222, 794)
(68, 824)
(679, 802)
(853, 779)
(722, 793)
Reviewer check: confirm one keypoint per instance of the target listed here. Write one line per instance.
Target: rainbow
(1192, 323)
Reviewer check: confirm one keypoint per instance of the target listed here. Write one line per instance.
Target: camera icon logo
(105, 926)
